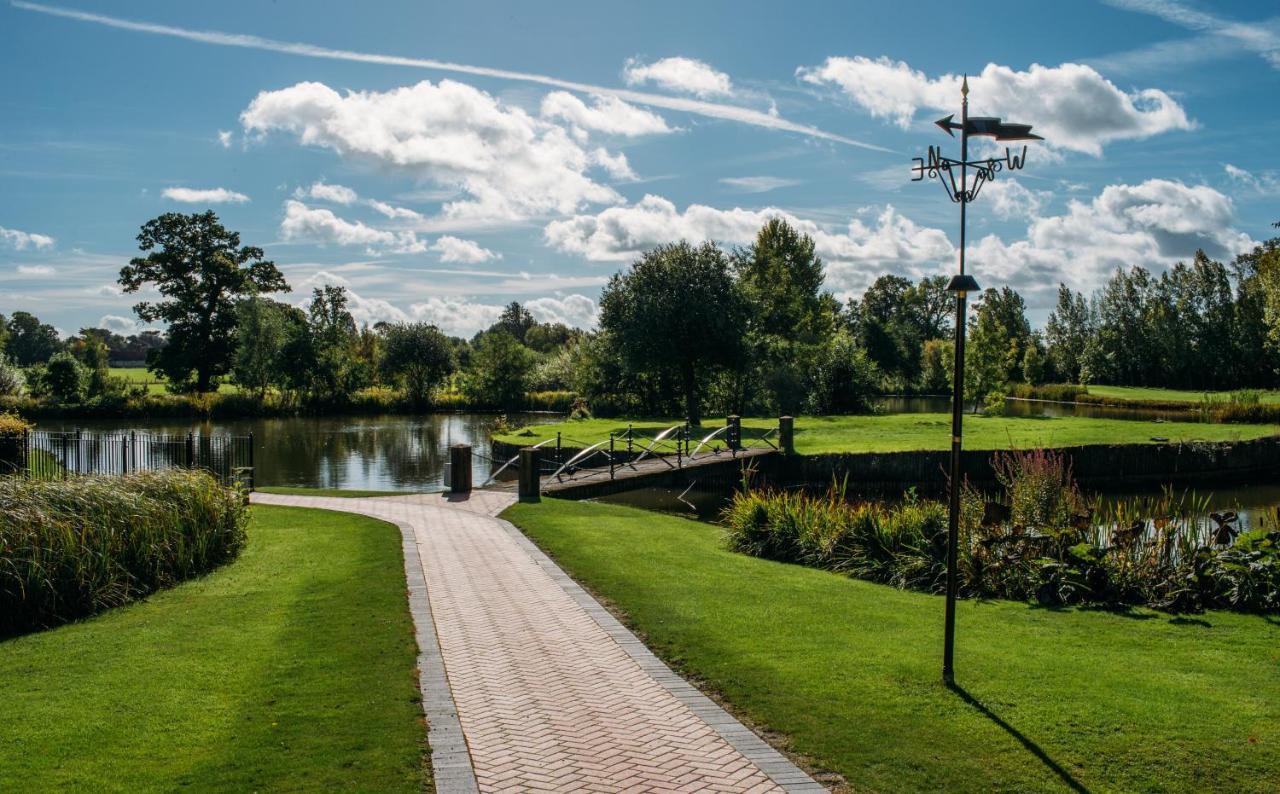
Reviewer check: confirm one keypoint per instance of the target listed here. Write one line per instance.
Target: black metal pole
(957, 415)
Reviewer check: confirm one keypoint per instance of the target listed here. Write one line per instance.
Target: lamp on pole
(943, 169)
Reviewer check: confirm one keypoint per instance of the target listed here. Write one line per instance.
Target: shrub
(72, 548)
(65, 377)
(12, 382)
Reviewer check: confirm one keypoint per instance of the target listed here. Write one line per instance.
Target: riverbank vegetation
(847, 672)
(815, 435)
(72, 548)
(1038, 539)
(292, 668)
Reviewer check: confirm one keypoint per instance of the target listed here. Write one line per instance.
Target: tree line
(683, 330)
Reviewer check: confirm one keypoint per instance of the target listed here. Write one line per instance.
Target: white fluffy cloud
(324, 191)
(21, 241)
(125, 326)
(39, 271)
(456, 316)
(313, 224)
(510, 165)
(216, 195)
(606, 114)
(454, 249)
(1009, 198)
(687, 75)
(1266, 183)
(854, 255)
(1153, 224)
(577, 311)
(1071, 105)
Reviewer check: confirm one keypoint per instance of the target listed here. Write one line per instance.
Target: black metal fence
(47, 455)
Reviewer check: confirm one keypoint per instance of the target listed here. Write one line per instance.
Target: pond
(1020, 407)
(377, 453)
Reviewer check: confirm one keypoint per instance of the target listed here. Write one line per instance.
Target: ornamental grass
(74, 547)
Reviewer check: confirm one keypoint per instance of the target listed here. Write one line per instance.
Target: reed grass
(69, 549)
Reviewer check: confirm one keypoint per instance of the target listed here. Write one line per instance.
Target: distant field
(1168, 395)
(155, 385)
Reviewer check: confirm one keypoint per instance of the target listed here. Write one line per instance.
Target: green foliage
(72, 548)
(201, 270)
(993, 404)
(64, 378)
(498, 373)
(263, 329)
(418, 357)
(936, 362)
(845, 379)
(29, 341)
(676, 313)
(12, 382)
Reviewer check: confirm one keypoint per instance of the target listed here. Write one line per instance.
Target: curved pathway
(530, 685)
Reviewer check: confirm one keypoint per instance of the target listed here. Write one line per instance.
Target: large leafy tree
(790, 319)
(31, 341)
(678, 311)
(200, 270)
(417, 356)
(265, 328)
(499, 370)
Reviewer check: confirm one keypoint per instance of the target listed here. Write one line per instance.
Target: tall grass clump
(75, 547)
(1037, 539)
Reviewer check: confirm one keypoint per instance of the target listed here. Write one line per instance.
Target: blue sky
(442, 159)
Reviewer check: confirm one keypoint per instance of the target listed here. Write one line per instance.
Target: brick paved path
(535, 687)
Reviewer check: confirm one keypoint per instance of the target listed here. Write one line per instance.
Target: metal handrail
(580, 456)
(656, 440)
(504, 466)
(708, 438)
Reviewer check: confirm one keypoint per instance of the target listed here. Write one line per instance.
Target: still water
(379, 453)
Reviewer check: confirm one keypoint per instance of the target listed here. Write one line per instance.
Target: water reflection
(384, 453)
(1018, 407)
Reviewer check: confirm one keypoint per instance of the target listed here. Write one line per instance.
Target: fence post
(559, 454)
(124, 454)
(79, 456)
(787, 435)
(253, 473)
(611, 456)
(680, 448)
(530, 476)
(628, 440)
(460, 468)
(191, 450)
(735, 432)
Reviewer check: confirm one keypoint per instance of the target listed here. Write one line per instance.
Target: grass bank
(848, 671)
(1142, 394)
(291, 669)
(816, 435)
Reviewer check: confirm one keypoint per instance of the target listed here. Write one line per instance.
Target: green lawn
(1168, 395)
(292, 669)
(848, 671)
(904, 432)
(155, 385)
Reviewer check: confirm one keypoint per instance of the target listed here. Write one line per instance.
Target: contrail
(697, 107)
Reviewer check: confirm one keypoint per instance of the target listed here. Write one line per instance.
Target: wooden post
(530, 489)
(787, 435)
(191, 450)
(460, 468)
(253, 474)
(611, 456)
(735, 432)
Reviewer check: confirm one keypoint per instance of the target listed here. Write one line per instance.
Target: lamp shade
(963, 283)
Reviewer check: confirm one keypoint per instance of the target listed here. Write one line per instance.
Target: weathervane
(937, 166)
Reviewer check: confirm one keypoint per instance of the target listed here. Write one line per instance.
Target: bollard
(734, 436)
(787, 435)
(530, 486)
(460, 468)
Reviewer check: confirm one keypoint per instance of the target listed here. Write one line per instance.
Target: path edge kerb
(769, 760)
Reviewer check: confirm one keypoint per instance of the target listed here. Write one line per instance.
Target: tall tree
(31, 341)
(515, 320)
(200, 270)
(677, 310)
(1066, 334)
(418, 357)
(264, 327)
(1006, 313)
(499, 370)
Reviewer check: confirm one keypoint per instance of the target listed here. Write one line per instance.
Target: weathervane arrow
(948, 125)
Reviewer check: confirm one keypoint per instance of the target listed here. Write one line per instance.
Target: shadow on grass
(1031, 746)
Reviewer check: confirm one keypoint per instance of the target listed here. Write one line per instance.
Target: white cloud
(1009, 198)
(456, 316)
(577, 311)
(21, 241)
(688, 75)
(224, 138)
(322, 226)
(758, 184)
(36, 270)
(454, 249)
(1153, 224)
(217, 195)
(510, 165)
(1071, 105)
(125, 326)
(1266, 183)
(395, 213)
(854, 254)
(323, 191)
(769, 120)
(607, 114)
(1221, 36)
